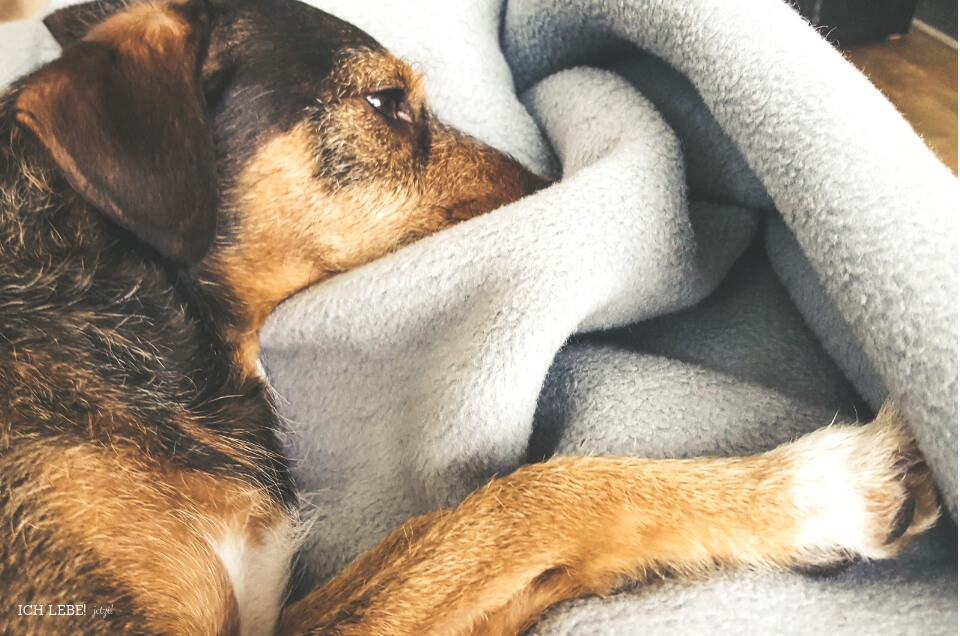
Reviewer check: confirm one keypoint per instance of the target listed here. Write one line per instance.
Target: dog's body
(140, 465)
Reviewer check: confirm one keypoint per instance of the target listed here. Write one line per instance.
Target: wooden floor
(918, 73)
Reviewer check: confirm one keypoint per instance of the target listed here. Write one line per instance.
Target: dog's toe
(861, 490)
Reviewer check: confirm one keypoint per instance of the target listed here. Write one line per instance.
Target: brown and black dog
(180, 170)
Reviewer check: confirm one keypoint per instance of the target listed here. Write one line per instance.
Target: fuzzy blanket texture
(747, 241)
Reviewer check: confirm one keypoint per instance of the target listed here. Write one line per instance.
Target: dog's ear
(70, 24)
(122, 114)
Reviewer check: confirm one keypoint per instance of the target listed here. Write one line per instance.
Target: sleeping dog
(182, 168)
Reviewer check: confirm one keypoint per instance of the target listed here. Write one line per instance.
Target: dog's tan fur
(153, 487)
(159, 514)
(292, 234)
(575, 526)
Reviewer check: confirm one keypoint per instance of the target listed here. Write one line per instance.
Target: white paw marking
(851, 484)
(828, 490)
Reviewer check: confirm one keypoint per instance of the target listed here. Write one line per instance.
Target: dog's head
(289, 138)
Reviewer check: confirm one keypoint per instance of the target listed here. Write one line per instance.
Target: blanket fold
(872, 209)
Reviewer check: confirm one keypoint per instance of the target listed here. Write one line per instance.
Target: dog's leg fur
(575, 526)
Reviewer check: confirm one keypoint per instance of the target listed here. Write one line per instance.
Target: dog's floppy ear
(70, 24)
(122, 114)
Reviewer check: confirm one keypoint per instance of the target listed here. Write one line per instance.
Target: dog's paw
(860, 491)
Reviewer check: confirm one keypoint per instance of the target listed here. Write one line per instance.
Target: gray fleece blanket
(746, 242)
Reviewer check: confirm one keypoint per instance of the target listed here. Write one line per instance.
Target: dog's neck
(239, 322)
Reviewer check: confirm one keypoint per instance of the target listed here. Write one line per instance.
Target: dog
(183, 167)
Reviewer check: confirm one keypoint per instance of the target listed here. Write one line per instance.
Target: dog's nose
(508, 181)
(534, 183)
(467, 177)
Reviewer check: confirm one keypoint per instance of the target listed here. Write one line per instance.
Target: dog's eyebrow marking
(363, 70)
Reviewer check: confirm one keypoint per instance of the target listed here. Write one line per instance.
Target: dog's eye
(392, 104)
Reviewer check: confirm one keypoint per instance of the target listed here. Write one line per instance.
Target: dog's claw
(902, 520)
(826, 570)
(909, 465)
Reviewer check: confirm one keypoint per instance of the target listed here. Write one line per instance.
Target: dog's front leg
(575, 526)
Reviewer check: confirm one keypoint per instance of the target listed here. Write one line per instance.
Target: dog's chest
(258, 568)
